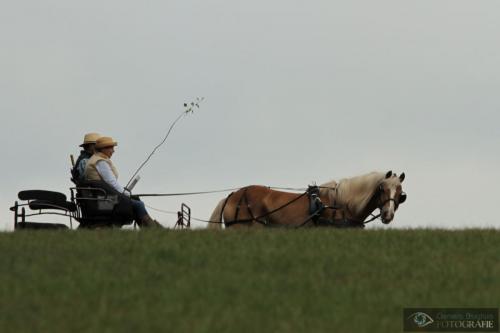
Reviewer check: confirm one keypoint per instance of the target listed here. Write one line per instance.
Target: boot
(148, 222)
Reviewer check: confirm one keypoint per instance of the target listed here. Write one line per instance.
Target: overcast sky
(296, 92)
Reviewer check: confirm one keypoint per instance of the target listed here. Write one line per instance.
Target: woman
(99, 167)
(88, 145)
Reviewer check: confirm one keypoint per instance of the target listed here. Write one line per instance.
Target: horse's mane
(356, 191)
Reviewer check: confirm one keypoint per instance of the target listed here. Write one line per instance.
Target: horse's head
(391, 195)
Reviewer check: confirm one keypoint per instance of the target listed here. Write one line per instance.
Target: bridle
(400, 200)
(380, 205)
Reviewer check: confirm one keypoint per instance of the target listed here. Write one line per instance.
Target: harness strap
(239, 204)
(259, 218)
(316, 206)
(244, 197)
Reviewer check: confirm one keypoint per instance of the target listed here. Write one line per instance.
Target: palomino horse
(344, 204)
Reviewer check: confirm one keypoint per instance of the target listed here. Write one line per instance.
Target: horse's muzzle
(387, 218)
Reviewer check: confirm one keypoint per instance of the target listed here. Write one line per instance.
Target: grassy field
(319, 280)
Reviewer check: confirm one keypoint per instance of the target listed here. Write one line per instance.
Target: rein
(345, 222)
(317, 214)
(185, 193)
(212, 191)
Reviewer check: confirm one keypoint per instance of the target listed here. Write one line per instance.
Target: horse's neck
(346, 211)
(368, 209)
(359, 195)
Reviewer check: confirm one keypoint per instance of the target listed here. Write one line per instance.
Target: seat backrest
(42, 195)
(96, 198)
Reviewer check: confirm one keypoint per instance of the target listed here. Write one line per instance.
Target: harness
(260, 219)
(317, 207)
(316, 210)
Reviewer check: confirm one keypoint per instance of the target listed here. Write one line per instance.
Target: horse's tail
(216, 217)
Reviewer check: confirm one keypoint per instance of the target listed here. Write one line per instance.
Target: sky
(295, 92)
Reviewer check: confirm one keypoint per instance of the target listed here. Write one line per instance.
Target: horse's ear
(402, 177)
(388, 174)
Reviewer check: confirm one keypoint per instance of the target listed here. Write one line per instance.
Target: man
(88, 146)
(100, 168)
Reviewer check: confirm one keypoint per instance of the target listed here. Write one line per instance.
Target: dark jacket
(79, 168)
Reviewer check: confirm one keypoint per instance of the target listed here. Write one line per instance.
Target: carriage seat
(40, 199)
(44, 204)
(101, 205)
(41, 202)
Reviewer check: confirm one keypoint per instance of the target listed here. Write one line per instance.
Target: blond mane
(356, 191)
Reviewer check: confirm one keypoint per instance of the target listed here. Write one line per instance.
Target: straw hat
(105, 141)
(90, 138)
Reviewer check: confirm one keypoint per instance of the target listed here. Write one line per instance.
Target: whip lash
(189, 108)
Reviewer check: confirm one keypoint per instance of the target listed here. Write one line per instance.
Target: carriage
(346, 204)
(92, 204)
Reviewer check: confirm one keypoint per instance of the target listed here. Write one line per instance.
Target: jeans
(139, 209)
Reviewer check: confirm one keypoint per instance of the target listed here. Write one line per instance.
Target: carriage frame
(91, 204)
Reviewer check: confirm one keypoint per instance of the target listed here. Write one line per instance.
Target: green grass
(319, 280)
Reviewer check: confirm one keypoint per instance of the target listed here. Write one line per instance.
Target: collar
(85, 154)
(102, 155)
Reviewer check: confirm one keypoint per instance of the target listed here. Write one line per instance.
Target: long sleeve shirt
(107, 175)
